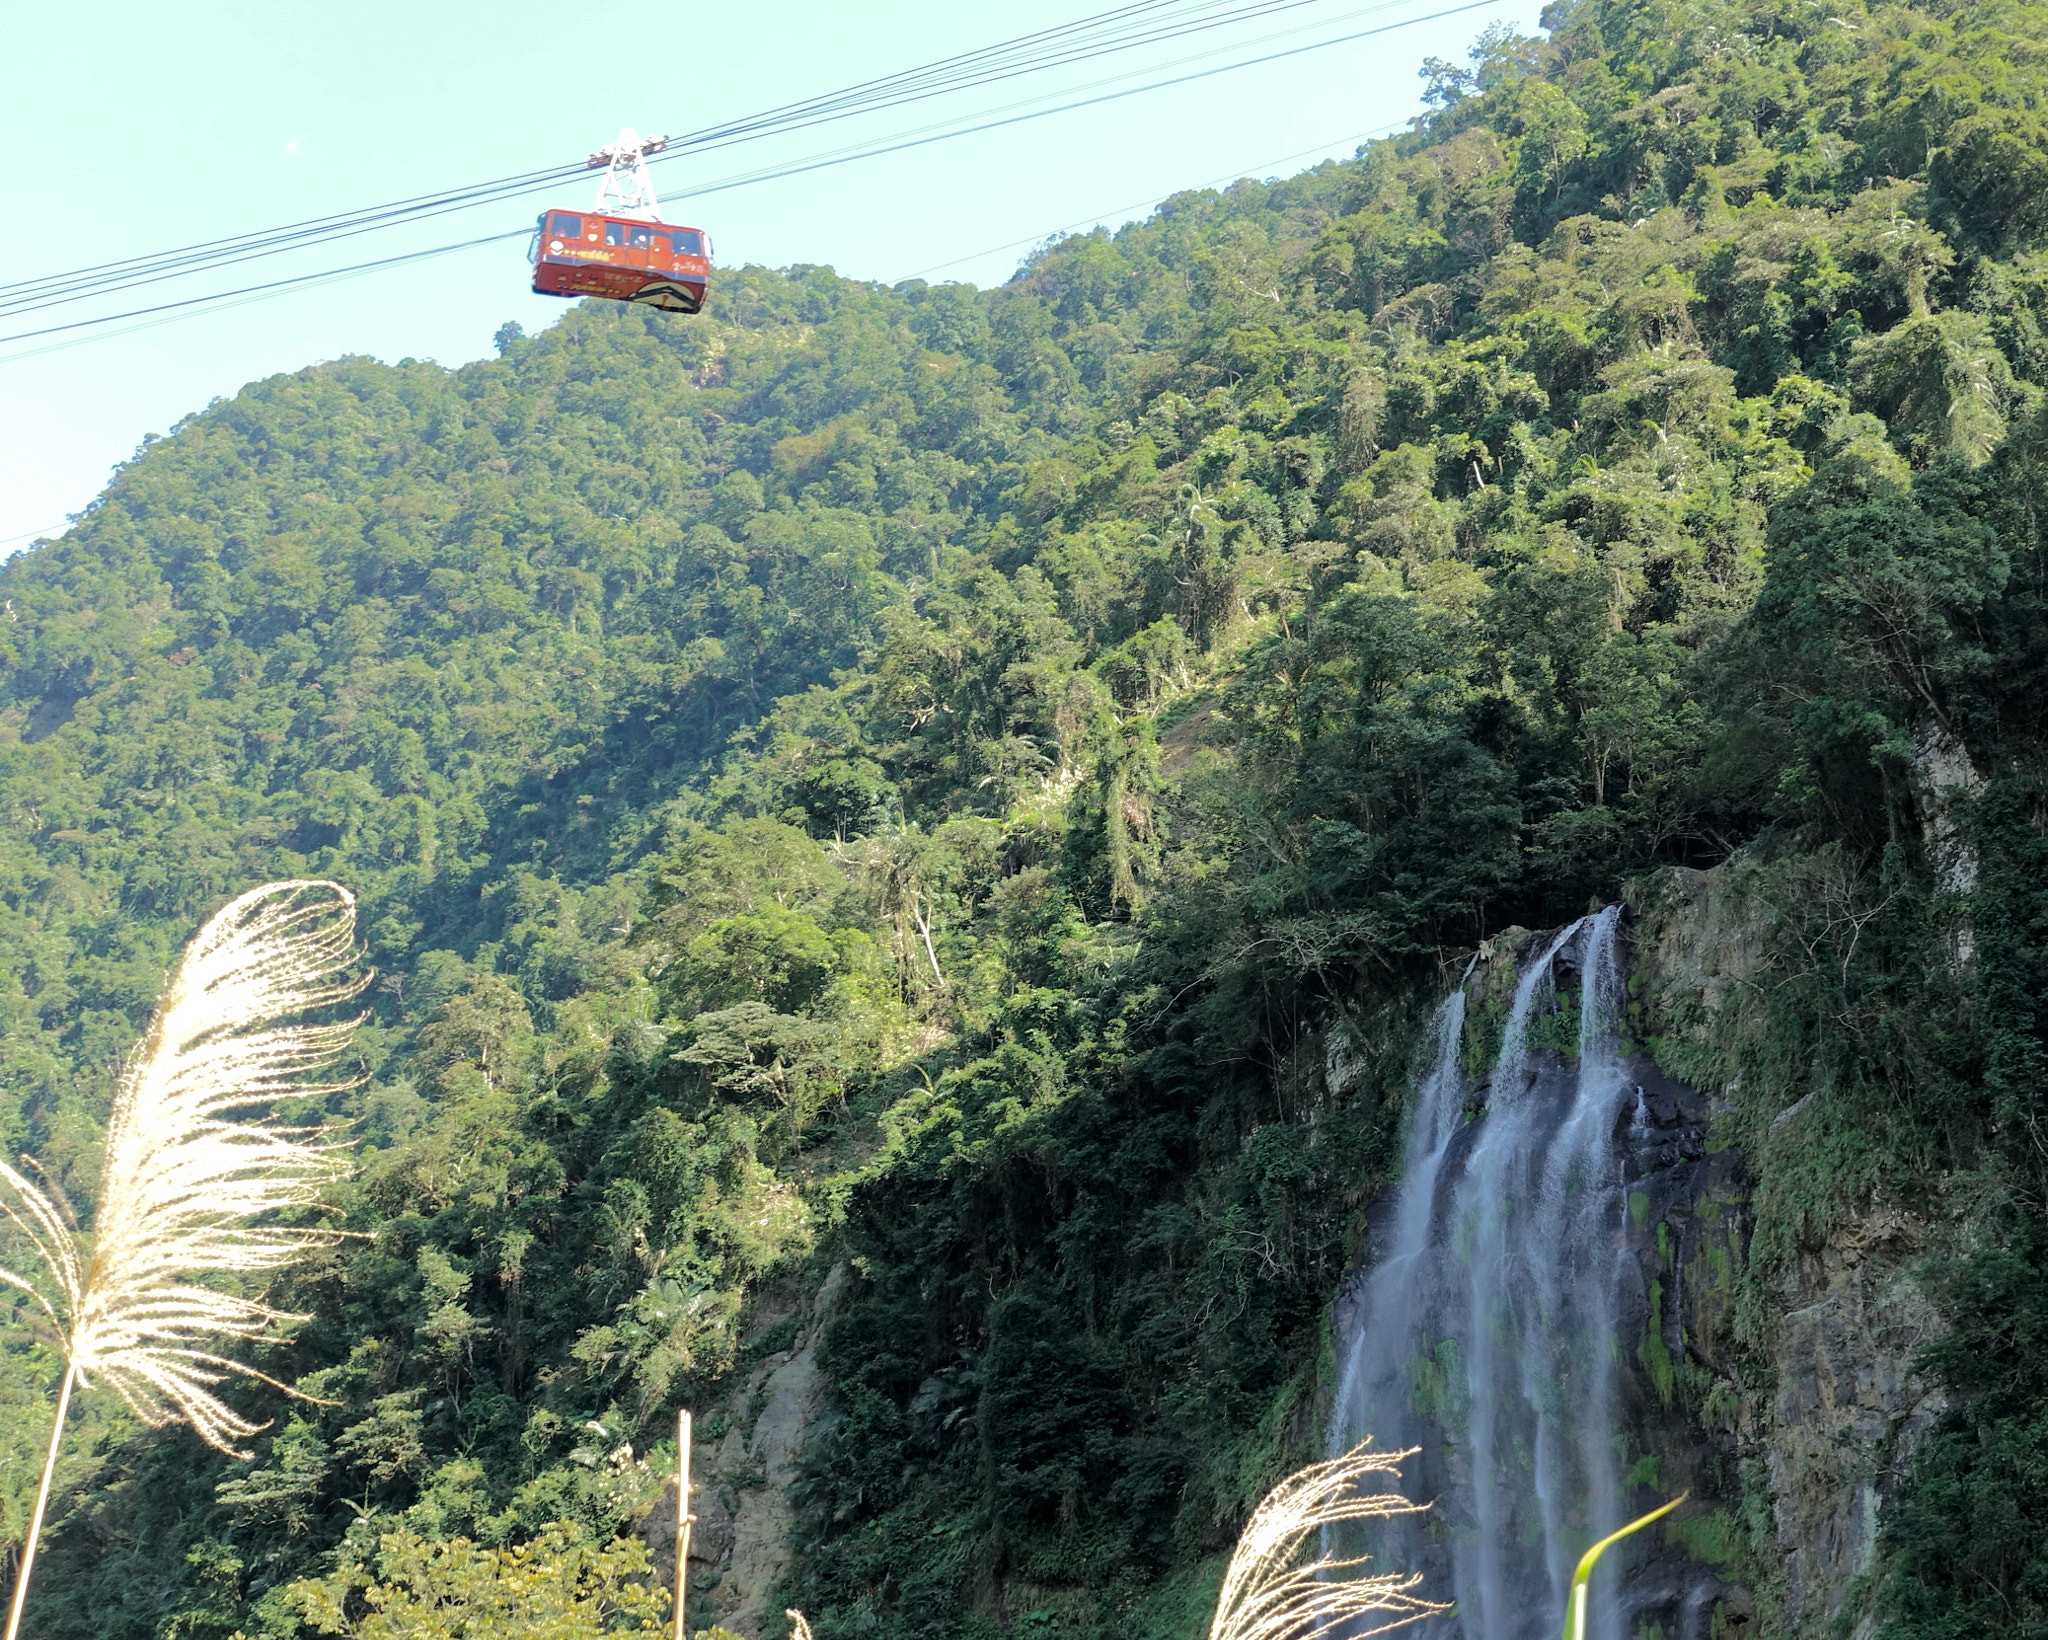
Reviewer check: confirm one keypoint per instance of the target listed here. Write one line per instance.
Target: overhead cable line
(917, 140)
(277, 285)
(901, 143)
(258, 292)
(909, 86)
(1087, 38)
(33, 535)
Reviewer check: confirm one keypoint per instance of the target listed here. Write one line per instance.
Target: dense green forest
(916, 777)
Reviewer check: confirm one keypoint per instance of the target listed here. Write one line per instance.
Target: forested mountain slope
(922, 778)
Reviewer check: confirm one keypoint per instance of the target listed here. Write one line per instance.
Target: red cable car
(621, 249)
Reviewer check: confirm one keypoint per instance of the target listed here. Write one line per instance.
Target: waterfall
(1485, 1331)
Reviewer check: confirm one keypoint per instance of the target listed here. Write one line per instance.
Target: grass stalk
(190, 1184)
(1575, 1607)
(35, 1523)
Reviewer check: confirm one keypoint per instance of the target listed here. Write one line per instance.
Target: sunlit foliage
(975, 785)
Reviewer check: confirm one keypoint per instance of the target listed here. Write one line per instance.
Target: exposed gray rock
(1699, 936)
(740, 1543)
(1828, 1429)
(1834, 1428)
(1849, 1408)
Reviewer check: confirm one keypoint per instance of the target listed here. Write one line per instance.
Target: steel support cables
(945, 131)
(1126, 28)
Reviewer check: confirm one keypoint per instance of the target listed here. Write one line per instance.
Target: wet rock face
(1686, 1226)
(1546, 1296)
(1788, 1439)
(1686, 1229)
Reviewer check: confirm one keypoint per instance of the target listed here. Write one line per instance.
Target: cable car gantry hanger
(627, 190)
(620, 249)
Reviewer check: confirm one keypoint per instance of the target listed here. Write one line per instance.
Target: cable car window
(689, 242)
(564, 226)
(641, 239)
(615, 233)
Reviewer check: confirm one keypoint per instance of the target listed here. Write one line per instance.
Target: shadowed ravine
(1489, 1330)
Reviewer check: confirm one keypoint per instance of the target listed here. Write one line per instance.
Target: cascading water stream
(1486, 1330)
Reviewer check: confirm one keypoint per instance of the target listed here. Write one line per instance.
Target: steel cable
(896, 144)
(1007, 60)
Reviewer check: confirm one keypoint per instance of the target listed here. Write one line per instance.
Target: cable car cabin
(625, 259)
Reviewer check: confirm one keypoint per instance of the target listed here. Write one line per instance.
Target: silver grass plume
(187, 1190)
(1272, 1591)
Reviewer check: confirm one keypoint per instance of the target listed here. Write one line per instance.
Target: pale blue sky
(168, 124)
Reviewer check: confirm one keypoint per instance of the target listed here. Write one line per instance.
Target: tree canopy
(933, 778)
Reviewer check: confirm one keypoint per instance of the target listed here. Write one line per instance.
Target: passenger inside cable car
(627, 259)
(621, 249)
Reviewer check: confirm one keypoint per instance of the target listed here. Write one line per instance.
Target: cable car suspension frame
(621, 250)
(626, 189)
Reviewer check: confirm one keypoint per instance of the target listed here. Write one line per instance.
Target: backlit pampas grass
(1272, 1591)
(185, 1187)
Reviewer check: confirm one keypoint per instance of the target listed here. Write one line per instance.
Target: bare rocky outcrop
(743, 1476)
(1698, 939)
(1944, 778)
(1848, 1407)
(1831, 1425)
(1807, 1422)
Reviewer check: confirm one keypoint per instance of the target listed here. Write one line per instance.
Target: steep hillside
(937, 783)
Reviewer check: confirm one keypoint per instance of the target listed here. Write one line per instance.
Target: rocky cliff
(745, 1467)
(1798, 1363)
(1780, 1394)
(1771, 1379)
